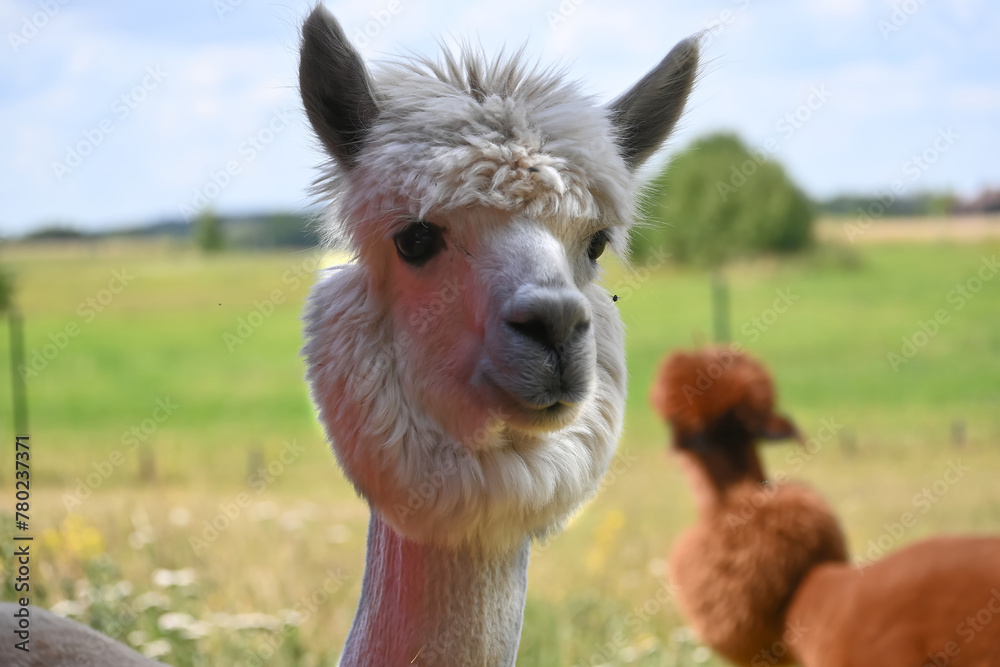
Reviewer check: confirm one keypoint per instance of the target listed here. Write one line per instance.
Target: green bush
(208, 232)
(717, 200)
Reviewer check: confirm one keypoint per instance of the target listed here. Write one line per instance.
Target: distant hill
(263, 230)
(889, 204)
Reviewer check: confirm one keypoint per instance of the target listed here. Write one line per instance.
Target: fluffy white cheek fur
(438, 340)
(428, 485)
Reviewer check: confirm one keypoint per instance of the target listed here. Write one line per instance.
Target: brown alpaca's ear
(335, 87)
(779, 428)
(646, 113)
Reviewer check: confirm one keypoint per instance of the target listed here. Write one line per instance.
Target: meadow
(184, 499)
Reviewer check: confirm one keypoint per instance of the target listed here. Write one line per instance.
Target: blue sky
(162, 97)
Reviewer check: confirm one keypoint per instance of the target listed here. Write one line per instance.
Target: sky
(117, 114)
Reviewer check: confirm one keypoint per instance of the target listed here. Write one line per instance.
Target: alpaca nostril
(550, 317)
(533, 330)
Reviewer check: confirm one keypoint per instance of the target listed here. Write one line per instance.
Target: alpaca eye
(597, 244)
(418, 242)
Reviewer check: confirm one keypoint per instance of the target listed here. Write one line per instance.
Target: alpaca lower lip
(538, 414)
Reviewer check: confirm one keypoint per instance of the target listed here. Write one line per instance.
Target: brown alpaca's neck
(713, 473)
(427, 605)
(738, 568)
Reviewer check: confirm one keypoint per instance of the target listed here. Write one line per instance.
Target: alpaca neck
(428, 605)
(714, 472)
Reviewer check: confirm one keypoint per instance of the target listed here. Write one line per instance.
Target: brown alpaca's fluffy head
(717, 395)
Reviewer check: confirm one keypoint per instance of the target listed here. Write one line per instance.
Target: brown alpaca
(763, 576)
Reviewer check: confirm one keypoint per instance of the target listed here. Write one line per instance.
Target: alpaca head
(469, 371)
(719, 403)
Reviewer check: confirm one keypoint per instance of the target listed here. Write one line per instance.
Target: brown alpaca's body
(934, 603)
(763, 577)
(737, 568)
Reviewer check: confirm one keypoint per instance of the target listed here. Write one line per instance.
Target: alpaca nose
(549, 317)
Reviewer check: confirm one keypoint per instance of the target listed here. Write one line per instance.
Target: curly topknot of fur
(695, 388)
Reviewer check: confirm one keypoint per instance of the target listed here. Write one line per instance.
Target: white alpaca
(469, 371)
(467, 368)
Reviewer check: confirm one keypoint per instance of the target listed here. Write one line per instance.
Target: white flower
(123, 589)
(338, 533)
(701, 654)
(67, 608)
(249, 622)
(165, 578)
(681, 635)
(179, 516)
(136, 638)
(175, 621)
(291, 521)
(264, 510)
(184, 624)
(156, 648)
(291, 617)
(657, 567)
(152, 599)
(140, 538)
(197, 630)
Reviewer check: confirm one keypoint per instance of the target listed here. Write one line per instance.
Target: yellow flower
(605, 536)
(74, 539)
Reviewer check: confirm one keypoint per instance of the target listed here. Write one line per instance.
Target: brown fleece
(738, 567)
(935, 603)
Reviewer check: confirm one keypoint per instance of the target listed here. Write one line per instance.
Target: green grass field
(173, 335)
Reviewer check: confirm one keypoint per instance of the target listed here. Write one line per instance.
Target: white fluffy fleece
(465, 141)
(463, 133)
(490, 489)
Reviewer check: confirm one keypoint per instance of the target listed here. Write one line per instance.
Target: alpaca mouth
(548, 415)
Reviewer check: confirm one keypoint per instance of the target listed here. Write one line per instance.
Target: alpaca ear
(335, 86)
(779, 428)
(646, 113)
